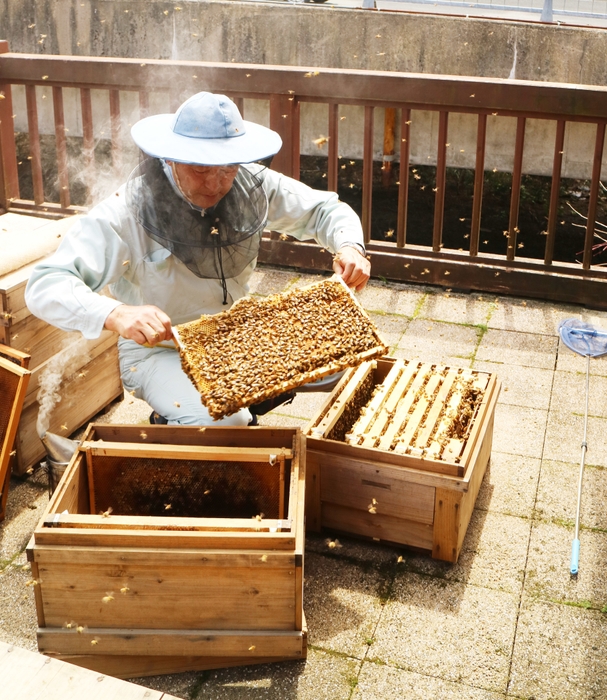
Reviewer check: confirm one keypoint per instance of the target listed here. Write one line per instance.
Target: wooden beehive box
(407, 468)
(91, 377)
(167, 592)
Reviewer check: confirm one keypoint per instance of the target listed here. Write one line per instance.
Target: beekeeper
(181, 239)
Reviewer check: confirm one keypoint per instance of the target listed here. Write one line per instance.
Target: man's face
(204, 185)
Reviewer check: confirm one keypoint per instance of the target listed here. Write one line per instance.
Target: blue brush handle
(575, 557)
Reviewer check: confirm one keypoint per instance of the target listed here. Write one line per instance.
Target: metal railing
(286, 89)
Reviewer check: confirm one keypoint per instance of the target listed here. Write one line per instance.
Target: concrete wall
(317, 35)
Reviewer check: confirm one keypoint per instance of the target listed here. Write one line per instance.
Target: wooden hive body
(416, 499)
(185, 593)
(91, 381)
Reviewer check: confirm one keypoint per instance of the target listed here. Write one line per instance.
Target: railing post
(9, 176)
(284, 118)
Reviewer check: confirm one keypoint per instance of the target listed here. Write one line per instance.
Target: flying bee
(124, 590)
(95, 641)
(167, 506)
(108, 597)
(106, 513)
(143, 435)
(333, 544)
(320, 142)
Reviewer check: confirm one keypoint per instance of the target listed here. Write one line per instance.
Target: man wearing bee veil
(180, 239)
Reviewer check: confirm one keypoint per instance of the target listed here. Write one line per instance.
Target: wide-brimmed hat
(206, 130)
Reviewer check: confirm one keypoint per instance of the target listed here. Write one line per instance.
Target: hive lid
(13, 384)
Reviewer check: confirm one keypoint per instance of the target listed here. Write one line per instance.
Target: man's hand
(143, 324)
(353, 267)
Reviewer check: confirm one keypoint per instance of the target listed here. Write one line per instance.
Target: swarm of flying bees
(264, 347)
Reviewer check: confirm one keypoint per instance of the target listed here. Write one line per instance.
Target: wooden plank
(148, 522)
(488, 385)
(441, 180)
(403, 177)
(379, 527)
(259, 596)
(313, 488)
(367, 193)
(356, 486)
(197, 452)
(557, 165)
(515, 197)
(423, 402)
(34, 143)
(27, 675)
(68, 537)
(173, 642)
(260, 437)
(479, 177)
(203, 558)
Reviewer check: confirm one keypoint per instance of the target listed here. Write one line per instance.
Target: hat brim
(155, 137)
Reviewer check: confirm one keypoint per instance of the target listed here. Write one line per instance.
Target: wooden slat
(490, 386)
(61, 144)
(441, 181)
(34, 143)
(173, 642)
(195, 452)
(333, 155)
(116, 145)
(403, 177)
(415, 421)
(557, 165)
(404, 405)
(367, 195)
(365, 424)
(479, 177)
(88, 141)
(389, 124)
(446, 525)
(430, 424)
(391, 405)
(515, 198)
(342, 399)
(9, 174)
(594, 194)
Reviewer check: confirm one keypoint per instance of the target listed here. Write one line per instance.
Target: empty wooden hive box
(89, 371)
(174, 549)
(398, 451)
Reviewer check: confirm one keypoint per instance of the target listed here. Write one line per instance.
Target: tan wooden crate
(168, 593)
(91, 380)
(421, 495)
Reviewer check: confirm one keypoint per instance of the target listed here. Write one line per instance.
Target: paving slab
(438, 342)
(267, 280)
(515, 348)
(378, 682)
(564, 434)
(27, 500)
(341, 604)
(403, 299)
(560, 653)
(356, 550)
(570, 361)
(569, 393)
(304, 405)
(17, 608)
(530, 315)
(557, 493)
(493, 554)
(548, 565)
(390, 328)
(322, 676)
(448, 630)
(509, 485)
(519, 430)
(521, 386)
(466, 309)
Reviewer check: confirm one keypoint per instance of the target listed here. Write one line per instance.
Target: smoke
(61, 366)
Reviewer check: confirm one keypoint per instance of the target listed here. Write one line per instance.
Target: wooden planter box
(400, 485)
(163, 593)
(91, 377)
